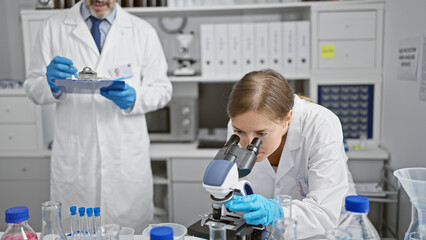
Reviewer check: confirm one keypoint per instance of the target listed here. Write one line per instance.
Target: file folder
(235, 51)
(276, 47)
(289, 47)
(303, 41)
(248, 47)
(261, 46)
(221, 50)
(207, 50)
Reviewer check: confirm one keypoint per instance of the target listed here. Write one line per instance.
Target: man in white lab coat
(100, 154)
(302, 155)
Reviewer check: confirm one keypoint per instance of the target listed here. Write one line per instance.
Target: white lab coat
(100, 155)
(313, 156)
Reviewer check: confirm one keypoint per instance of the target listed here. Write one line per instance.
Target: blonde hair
(265, 91)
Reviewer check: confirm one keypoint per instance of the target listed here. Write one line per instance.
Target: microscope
(185, 61)
(222, 179)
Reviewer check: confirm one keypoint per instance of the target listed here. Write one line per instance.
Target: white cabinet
(190, 199)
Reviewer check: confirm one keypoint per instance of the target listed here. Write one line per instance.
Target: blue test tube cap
(73, 210)
(81, 211)
(357, 203)
(97, 211)
(161, 233)
(16, 214)
(89, 212)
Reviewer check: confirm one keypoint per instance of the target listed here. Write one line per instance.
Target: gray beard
(93, 12)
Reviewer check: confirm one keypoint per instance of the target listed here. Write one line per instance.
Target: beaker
(108, 232)
(217, 231)
(413, 180)
(285, 202)
(284, 229)
(51, 228)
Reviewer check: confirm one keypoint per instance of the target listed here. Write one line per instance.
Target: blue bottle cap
(16, 214)
(89, 212)
(97, 211)
(73, 210)
(81, 211)
(161, 233)
(357, 203)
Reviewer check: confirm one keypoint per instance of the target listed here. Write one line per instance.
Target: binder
(276, 47)
(221, 50)
(261, 46)
(289, 49)
(248, 47)
(235, 51)
(303, 49)
(207, 50)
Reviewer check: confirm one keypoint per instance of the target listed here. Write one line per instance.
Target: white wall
(11, 47)
(404, 114)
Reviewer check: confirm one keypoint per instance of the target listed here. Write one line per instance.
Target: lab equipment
(51, 228)
(123, 96)
(17, 225)
(179, 231)
(284, 229)
(356, 222)
(89, 212)
(73, 222)
(261, 211)
(185, 60)
(108, 232)
(97, 220)
(10, 83)
(217, 231)
(413, 180)
(161, 233)
(82, 226)
(285, 202)
(222, 179)
(126, 233)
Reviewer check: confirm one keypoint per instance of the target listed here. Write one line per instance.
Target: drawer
(22, 169)
(189, 169)
(347, 25)
(347, 54)
(18, 137)
(16, 109)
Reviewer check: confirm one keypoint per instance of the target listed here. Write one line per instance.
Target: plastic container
(179, 231)
(17, 225)
(356, 222)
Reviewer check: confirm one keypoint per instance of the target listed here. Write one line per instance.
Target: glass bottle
(51, 228)
(356, 222)
(285, 202)
(284, 229)
(217, 231)
(17, 225)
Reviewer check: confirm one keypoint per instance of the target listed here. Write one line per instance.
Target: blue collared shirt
(104, 26)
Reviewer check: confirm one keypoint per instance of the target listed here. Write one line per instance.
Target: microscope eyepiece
(254, 146)
(234, 139)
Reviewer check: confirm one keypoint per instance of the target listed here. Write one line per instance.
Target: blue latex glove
(123, 96)
(59, 68)
(260, 209)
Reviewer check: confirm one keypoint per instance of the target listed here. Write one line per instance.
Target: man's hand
(59, 68)
(124, 97)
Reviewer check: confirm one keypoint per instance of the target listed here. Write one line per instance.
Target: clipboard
(87, 86)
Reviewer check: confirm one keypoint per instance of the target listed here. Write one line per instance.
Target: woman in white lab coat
(100, 154)
(302, 154)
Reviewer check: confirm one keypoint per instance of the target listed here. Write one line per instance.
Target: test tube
(285, 202)
(82, 224)
(73, 222)
(97, 220)
(89, 212)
